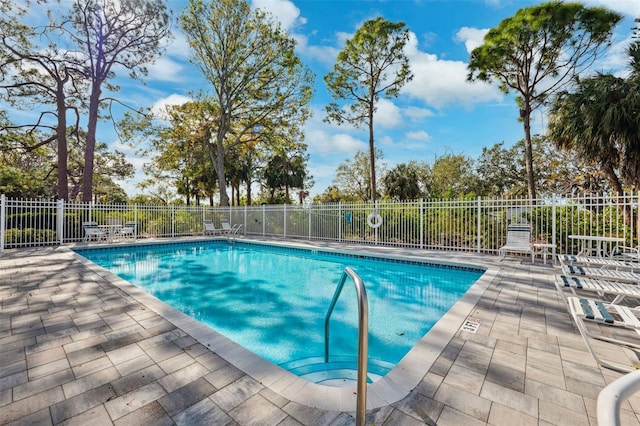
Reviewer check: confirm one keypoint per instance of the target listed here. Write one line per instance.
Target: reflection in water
(273, 300)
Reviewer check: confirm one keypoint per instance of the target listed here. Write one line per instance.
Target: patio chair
(91, 231)
(518, 241)
(594, 286)
(210, 228)
(228, 229)
(616, 324)
(629, 254)
(127, 231)
(602, 273)
(603, 262)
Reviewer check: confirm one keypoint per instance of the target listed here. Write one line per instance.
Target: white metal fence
(477, 225)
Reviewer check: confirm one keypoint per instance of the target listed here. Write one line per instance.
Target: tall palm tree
(403, 182)
(601, 122)
(586, 122)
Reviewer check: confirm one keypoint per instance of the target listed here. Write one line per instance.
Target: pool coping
(394, 386)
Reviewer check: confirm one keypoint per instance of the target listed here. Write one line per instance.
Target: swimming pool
(273, 300)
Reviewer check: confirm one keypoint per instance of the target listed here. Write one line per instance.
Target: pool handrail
(363, 336)
(610, 398)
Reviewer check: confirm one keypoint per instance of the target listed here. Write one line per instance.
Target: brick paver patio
(75, 349)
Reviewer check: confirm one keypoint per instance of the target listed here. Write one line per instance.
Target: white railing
(477, 225)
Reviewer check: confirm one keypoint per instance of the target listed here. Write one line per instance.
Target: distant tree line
(497, 172)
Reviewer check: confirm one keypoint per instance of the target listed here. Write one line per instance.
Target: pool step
(339, 371)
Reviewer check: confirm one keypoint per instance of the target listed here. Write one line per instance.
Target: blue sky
(436, 113)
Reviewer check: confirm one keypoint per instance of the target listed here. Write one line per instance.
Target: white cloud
(443, 82)
(324, 55)
(419, 135)
(131, 154)
(417, 113)
(166, 69)
(387, 115)
(179, 45)
(323, 143)
(159, 106)
(323, 175)
(626, 7)
(471, 37)
(283, 10)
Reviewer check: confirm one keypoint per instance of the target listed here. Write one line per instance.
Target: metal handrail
(610, 398)
(363, 336)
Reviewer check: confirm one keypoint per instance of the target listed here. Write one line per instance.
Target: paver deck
(77, 349)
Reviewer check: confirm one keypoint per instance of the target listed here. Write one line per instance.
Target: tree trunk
(615, 183)
(89, 150)
(216, 153)
(248, 183)
(372, 155)
(63, 179)
(219, 161)
(528, 152)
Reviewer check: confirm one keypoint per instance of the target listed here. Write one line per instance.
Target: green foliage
(110, 36)
(353, 176)
(178, 153)
(599, 121)
(537, 51)
(452, 176)
(29, 235)
(19, 183)
(407, 181)
(285, 171)
(333, 194)
(257, 78)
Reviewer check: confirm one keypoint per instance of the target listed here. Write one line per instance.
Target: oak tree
(258, 81)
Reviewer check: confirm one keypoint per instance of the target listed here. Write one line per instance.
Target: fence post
(421, 223)
(553, 221)
(173, 221)
(244, 226)
(310, 210)
(284, 220)
(479, 223)
(340, 221)
(375, 231)
(3, 221)
(264, 217)
(60, 221)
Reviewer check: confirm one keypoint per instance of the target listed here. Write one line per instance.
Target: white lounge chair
(91, 231)
(228, 229)
(604, 262)
(629, 254)
(127, 231)
(599, 287)
(210, 228)
(518, 241)
(602, 273)
(615, 323)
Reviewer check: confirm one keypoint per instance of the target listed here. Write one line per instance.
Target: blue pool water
(273, 300)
